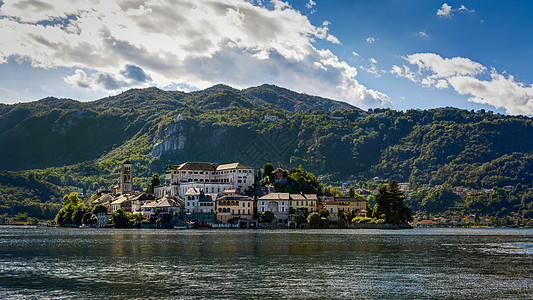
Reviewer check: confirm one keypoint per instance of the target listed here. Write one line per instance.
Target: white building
(277, 203)
(205, 177)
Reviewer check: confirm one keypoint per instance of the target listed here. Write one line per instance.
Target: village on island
(211, 195)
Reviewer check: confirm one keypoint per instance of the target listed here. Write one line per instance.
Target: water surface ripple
(197, 264)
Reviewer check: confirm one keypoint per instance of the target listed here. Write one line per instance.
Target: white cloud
(370, 39)
(355, 53)
(310, 4)
(447, 11)
(422, 34)
(444, 11)
(198, 44)
(463, 75)
(373, 61)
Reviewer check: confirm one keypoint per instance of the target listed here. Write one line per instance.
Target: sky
(401, 54)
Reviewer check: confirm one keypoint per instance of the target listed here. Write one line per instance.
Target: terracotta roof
(303, 197)
(275, 196)
(198, 166)
(233, 166)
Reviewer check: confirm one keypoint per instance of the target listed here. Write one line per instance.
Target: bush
(363, 220)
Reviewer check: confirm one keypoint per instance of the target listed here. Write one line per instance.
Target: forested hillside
(79, 144)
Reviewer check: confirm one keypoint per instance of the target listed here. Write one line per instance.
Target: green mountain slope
(70, 143)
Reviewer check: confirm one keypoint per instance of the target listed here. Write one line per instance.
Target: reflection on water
(414, 264)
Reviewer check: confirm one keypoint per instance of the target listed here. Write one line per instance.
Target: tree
(120, 219)
(314, 220)
(87, 218)
(99, 208)
(153, 183)
(390, 204)
(324, 213)
(351, 193)
(268, 168)
(299, 219)
(267, 216)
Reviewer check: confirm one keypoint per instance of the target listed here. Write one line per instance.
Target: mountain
(75, 144)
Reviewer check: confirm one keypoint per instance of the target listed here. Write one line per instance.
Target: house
(166, 205)
(337, 205)
(234, 206)
(404, 186)
(206, 177)
(123, 202)
(277, 203)
(138, 199)
(303, 203)
(271, 118)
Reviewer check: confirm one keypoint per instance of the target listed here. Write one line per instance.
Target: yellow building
(335, 205)
(303, 203)
(231, 206)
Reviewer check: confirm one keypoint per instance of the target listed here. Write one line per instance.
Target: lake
(445, 263)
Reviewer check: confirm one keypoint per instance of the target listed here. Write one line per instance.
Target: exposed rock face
(174, 140)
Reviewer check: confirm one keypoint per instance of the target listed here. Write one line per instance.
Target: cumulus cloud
(446, 10)
(130, 76)
(370, 39)
(194, 43)
(467, 77)
(422, 34)
(310, 4)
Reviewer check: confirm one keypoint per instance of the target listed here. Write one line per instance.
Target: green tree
(153, 183)
(314, 220)
(390, 204)
(87, 218)
(324, 213)
(120, 219)
(267, 216)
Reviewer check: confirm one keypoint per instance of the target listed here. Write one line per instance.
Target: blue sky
(391, 53)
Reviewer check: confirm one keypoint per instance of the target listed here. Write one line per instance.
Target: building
(166, 205)
(277, 203)
(303, 203)
(123, 202)
(126, 178)
(235, 206)
(336, 205)
(205, 177)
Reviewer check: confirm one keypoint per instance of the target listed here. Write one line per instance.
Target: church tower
(126, 178)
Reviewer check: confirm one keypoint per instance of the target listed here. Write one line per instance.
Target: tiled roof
(233, 166)
(275, 196)
(198, 166)
(303, 197)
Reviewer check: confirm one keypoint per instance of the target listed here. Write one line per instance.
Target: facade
(196, 201)
(303, 203)
(126, 178)
(336, 205)
(277, 203)
(205, 177)
(234, 206)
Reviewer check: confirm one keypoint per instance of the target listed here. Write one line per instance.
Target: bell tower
(126, 178)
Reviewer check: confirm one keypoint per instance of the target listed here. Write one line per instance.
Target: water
(140, 263)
